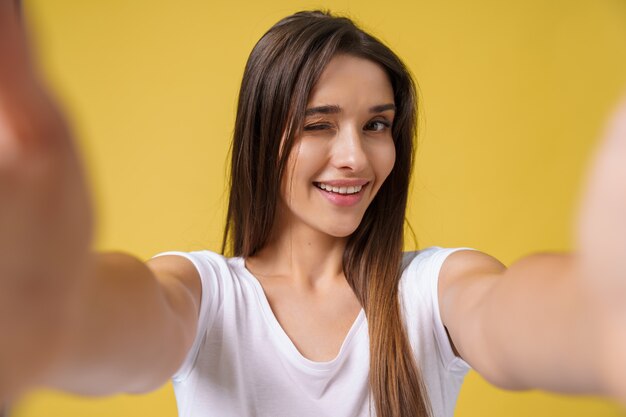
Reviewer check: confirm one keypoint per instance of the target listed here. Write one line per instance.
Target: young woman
(317, 311)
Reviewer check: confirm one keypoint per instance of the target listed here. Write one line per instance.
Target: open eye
(378, 125)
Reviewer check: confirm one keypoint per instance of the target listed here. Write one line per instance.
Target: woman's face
(344, 150)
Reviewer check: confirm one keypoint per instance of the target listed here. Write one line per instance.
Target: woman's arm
(528, 326)
(601, 239)
(135, 324)
(92, 324)
(552, 321)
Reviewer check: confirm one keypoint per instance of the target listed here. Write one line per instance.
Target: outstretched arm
(71, 319)
(601, 236)
(45, 216)
(135, 324)
(528, 326)
(552, 321)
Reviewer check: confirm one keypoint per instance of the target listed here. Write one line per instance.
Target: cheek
(384, 158)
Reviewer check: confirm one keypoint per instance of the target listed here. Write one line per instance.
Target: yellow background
(513, 93)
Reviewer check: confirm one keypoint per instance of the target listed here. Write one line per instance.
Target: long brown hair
(280, 73)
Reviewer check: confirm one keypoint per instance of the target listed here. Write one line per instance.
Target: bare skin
(601, 236)
(301, 267)
(45, 214)
(555, 322)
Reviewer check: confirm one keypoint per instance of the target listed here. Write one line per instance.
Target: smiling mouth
(342, 190)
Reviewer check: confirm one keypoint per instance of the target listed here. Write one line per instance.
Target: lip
(347, 182)
(343, 200)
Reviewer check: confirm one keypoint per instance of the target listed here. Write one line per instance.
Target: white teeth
(340, 190)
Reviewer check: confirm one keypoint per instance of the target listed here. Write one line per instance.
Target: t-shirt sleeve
(423, 280)
(209, 304)
(452, 362)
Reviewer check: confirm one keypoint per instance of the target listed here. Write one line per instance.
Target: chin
(341, 230)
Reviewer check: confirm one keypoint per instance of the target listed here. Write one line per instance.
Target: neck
(309, 258)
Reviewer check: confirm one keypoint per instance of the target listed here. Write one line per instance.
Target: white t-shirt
(242, 363)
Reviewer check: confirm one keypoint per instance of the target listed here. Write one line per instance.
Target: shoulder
(200, 274)
(466, 268)
(433, 285)
(193, 270)
(452, 263)
(448, 262)
(422, 271)
(188, 263)
(464, 279)
(451, 277)
(452, 280)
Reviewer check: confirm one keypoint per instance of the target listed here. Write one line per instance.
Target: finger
(30, 120)
(10, 14)
(14, 52)
(16, 78)
(11, 58)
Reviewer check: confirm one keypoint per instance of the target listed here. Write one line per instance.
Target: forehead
(351, 81)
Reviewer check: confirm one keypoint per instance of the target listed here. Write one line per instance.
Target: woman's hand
(45, 216)
(602, 249)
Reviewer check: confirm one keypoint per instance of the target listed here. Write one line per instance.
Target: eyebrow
(333, 109)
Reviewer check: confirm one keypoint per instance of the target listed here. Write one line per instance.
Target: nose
(348, 152)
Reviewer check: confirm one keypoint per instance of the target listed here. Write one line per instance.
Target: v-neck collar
(285, 341)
